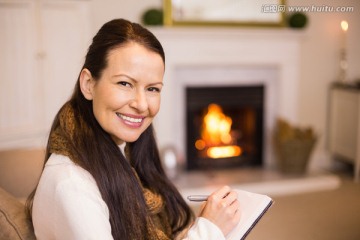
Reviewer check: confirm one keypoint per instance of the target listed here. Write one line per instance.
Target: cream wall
(132, 10)
(320, 63)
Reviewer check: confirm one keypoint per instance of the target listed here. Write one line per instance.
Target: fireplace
(219, 57)
(224, 126)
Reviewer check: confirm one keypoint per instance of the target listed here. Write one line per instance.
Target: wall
(42, 45)
(128, 9)
(320, 63)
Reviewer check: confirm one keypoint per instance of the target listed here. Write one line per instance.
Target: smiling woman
(103, 177)
(126, 98)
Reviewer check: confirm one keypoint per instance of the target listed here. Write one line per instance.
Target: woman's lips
(131, 120)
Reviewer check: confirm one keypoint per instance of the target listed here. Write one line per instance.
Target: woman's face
(126, 98)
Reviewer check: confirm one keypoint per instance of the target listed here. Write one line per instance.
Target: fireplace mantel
(238, 49)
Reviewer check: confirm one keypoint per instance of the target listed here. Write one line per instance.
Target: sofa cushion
(14, 223)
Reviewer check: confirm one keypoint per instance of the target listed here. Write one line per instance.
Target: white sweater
(68, 205)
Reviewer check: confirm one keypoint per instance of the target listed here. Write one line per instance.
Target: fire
(216, 139)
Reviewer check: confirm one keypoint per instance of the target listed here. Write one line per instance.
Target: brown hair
(99, 154)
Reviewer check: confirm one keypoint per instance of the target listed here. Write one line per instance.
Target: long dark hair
(96, 151)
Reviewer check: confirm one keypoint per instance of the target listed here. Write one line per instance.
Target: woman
(102, 177)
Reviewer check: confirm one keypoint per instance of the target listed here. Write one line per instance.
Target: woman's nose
(139, 101)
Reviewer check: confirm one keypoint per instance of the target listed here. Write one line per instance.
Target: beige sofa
(14, 223)
(19, 173)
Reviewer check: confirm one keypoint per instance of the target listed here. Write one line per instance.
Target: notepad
(252, 206)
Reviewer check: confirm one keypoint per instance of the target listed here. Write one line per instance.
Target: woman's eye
(123, 83)
(154, 89)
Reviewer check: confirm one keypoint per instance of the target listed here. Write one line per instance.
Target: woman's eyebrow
(161, 83)
(133, 79)
(124, 75)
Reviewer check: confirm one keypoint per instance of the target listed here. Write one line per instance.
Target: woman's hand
(222, 209)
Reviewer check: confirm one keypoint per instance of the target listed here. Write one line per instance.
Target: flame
(215, 134)
(223, 152)
(344, 25)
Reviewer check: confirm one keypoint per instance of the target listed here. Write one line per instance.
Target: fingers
(224, 200)
(202, 206)
(230, 203)
(222, 208)
(222, 192)
(237, 216)
(231, 198)
(234, 207)
(224, 196)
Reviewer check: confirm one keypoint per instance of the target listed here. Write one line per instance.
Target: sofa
(20, 170)
(14, 223)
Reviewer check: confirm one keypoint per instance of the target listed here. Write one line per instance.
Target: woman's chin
(128, 139)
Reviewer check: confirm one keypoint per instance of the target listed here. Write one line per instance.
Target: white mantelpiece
(228, 50)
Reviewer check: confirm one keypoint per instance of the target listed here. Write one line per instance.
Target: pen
(198, 198)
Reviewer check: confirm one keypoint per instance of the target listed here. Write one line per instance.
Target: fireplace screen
(224, 126)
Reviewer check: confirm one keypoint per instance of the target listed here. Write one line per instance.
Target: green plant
(153, 16)
(297, 20)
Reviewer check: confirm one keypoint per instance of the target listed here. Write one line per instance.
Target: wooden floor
(323, 215)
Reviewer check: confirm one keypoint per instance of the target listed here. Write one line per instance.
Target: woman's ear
(86, 84)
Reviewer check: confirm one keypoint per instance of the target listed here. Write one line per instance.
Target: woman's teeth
(130, 119)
